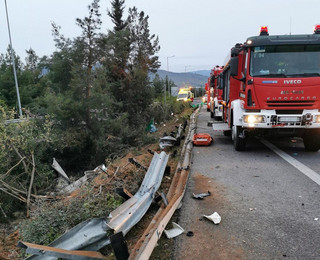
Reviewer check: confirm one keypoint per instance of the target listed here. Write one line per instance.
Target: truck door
(226, 93)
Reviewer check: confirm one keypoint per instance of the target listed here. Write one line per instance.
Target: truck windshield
(182, 95)
(285, 61)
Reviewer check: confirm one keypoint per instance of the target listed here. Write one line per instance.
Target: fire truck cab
(271, 86)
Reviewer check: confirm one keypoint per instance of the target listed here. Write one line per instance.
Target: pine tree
(116, 15)
(87, 44)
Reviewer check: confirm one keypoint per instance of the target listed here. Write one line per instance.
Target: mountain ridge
(180, 79)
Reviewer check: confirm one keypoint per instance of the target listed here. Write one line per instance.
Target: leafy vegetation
(52, 220)
(89, 100)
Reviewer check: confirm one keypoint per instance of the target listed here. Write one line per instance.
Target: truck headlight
(317, 118)
(253, 119)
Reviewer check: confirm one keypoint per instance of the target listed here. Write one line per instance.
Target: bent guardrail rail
(94, 234)
(144, 247)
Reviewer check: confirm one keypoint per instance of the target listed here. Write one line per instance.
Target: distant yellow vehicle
(185, 94)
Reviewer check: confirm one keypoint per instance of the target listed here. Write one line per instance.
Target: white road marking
(295, 163)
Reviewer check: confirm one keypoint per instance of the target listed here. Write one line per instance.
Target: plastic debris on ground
(151, 128)
(215, 218)
(55, 165)
(202, 139)
(175, 231)
(200, 196)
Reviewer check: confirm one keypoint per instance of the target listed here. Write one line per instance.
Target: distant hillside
(202, 72)
(183, 79)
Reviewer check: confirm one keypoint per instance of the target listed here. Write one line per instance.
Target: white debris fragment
(215, 218)
(316, 219)
(55, 165)
(175, 231)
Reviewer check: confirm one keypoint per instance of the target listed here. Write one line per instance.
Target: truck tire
(311, 140)
(211, 114)
(227, 133)
(238, 142)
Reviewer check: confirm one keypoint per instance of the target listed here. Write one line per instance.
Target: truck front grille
(291, 103)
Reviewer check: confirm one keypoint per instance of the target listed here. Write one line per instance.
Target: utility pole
(13, 63)
(167, 81)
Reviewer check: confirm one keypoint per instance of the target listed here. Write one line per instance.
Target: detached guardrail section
(144, 247)
(94, 234)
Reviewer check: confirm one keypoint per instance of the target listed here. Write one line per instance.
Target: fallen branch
(17, 193)
(11, 169)
(20, 156)
(31, 183)
(3, 212)
(14, 195)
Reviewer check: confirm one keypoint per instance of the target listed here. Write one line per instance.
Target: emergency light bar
(264, 30)
(316, 29)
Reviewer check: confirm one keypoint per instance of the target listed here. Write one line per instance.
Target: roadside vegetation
(87, 103)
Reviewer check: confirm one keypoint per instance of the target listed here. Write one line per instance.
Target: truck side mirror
(234, 66)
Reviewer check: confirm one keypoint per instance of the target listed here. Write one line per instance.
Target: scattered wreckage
(174, 138)
(82, 241)
(94, 234)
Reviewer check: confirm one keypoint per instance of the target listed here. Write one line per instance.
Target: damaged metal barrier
(149, 239)
(94, 234)
(169, 140)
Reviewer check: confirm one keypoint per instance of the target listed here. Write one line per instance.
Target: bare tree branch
(13, 195)
(3, 212)
(11, 169)
(31, 183)
(20, 156)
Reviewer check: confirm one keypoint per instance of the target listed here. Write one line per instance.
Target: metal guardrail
(144, 247)
(130, 212)
(94, 234)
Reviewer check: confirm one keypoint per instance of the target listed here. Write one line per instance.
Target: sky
(194, 34)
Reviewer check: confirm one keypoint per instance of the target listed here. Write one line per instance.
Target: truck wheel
(311, 141)
(238, 142)
(227, 133)
(211, 114)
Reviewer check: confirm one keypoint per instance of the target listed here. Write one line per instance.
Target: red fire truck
(272, 86)
(208, 93)
(216, 87)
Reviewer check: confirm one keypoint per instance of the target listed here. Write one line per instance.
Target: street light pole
(13, 63)
(165, 89)
(168, 62)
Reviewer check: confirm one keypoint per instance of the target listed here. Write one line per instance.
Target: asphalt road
(270, 208)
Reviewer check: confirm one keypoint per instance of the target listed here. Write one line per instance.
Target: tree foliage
(94, 88)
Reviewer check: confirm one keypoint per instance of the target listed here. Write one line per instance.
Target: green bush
(51, 220)
(161, 112)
